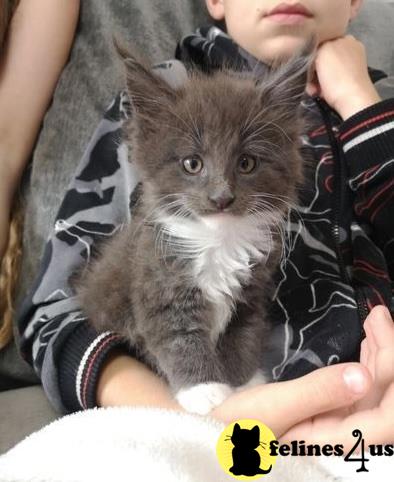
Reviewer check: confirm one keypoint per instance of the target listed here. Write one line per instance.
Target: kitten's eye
(192, 165)
(246, 164)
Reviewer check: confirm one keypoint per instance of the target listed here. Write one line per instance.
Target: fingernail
(355, 380)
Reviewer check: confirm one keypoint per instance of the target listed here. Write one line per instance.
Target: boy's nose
(222, 200)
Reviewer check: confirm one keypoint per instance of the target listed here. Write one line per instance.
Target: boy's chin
(282, 47)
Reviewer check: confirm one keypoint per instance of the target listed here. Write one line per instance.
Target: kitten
(187, 282)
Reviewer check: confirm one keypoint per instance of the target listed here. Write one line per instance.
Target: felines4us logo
(247, 449)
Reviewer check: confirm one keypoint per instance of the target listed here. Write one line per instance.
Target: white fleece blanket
(132, 444)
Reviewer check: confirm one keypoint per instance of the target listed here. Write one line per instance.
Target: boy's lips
(289, 9)
(290, 14)
(291, 18)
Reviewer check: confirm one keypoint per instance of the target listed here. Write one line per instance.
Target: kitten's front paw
(202, 398)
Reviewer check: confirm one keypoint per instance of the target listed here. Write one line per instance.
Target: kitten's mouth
(214, 217)
(217, 213)
(220, 214)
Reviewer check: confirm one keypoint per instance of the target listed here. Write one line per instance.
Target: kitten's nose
(222, 200)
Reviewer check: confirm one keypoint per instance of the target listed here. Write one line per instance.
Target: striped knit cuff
(80, 361)
(367, 139)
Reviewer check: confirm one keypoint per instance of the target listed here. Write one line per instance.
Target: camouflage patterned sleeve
(56, 339)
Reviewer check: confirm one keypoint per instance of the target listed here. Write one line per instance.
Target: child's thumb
(320, 391)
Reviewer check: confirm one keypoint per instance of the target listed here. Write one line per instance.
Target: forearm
(7, 188)
(38, 44)
(34, 55)
(125, 381)
(353, 104)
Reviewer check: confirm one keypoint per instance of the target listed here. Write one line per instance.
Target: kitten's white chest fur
(223, 249)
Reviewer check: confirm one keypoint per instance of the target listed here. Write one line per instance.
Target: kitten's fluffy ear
(288, 80)
(149, 94)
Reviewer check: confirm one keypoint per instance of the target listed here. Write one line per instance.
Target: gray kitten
(187, 282)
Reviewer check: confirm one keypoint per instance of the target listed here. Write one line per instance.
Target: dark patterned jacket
(340, 258)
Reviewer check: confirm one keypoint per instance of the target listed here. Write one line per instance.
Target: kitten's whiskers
(261, 207)
(282, 223)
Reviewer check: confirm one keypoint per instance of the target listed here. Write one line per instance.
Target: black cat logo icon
(243, 449)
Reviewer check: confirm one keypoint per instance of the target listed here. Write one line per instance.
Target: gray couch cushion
(374, 27)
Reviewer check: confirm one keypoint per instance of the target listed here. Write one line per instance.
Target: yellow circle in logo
(243, 449)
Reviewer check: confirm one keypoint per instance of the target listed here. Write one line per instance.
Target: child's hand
(341, 76)
(373, 414)
(292, 403)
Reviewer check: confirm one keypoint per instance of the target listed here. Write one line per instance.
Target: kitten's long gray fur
(187, 282)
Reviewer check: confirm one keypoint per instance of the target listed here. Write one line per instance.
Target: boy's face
(268, 37)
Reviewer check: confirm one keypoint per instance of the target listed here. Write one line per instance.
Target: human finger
(313, 87)
(364, 353)
(376, 426)
(380, 329)
(377, 353)
(284, 404)
(372, 347)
